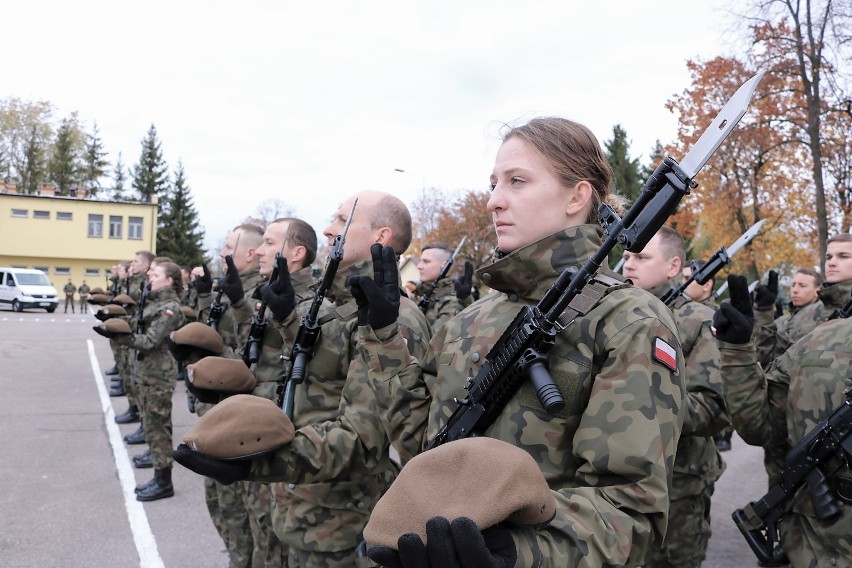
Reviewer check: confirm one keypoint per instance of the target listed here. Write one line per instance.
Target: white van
(27, 288)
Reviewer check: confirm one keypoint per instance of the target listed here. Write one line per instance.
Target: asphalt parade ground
(67, 494)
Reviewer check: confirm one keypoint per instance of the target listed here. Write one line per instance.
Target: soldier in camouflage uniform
(698, 463)
(832, 294)
(84, 292)
(227, 504)
(608, 456)
(443, 301)
(134, 282)
(156, 372)
(803, 386)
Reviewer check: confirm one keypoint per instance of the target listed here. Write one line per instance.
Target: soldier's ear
(384, 236)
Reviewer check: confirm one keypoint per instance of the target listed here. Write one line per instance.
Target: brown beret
(226, 376)
(189, 313)
(197, 334)
(110, 311)
(124, 300)
(241, 427)
(485, 479)
(97, 290)
(112, 327)
(98, 299)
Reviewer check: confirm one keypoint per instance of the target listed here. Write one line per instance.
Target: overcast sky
(309, 102)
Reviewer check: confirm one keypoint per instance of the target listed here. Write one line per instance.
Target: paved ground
(67, 494)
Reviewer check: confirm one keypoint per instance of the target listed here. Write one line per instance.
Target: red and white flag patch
(169, 313)
(665, 354)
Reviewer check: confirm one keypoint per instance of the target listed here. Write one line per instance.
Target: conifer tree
(179, 233)
(627, 173)
(119, 178)
(150, 175)
(64, 165)
(95, 163)
(35, 162)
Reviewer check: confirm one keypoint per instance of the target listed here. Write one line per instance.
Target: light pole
(422, 179)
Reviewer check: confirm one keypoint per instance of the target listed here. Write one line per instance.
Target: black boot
(111, 372)
(136, 437)
(143, 460)
(144, 486)
(129, 417)
(160, 489)
(117, 390)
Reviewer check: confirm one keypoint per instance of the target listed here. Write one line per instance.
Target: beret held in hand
(97, 290)
(241, 427)
(194, 341)
(212, 377)
(124, 300)
(98, 299)
(447, 481)
(110, 311)
(113, 327)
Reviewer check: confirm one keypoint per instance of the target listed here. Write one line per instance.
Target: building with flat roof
(72, 236)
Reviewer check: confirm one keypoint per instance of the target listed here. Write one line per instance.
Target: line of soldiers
(70, 289)
(628, 464)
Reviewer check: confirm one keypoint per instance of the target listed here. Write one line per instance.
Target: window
(41, 214)
(10, 281)
(134, 228)
(96, 225)
(20, 213)
(115, 224)
(64, 215)
(42, 268)
(90, 272)
(62, 271)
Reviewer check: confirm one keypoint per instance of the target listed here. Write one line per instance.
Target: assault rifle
(719, 259)
(758, 521)
(521, 352)
(423, 304)
(842, 312)
(258, 326)
(139, 314)
(309, 326)
(217, 308)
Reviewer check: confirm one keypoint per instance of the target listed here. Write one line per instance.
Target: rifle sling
(343, 312)
(589, 297)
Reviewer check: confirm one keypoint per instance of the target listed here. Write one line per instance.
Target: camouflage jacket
(235, 322)
(269, 367)
(804, 385)
(832, 297)
(338, 465)
(161, 316)
(698, 463)
(608, 456)
(443, 303)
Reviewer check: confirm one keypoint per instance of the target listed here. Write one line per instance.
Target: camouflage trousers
(269, 551)
(687, 535)
(125, 358)
(155, 409)
(811, 543)
(226, 505)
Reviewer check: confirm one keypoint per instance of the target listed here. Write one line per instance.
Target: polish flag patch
(169, 313)
(665, 354)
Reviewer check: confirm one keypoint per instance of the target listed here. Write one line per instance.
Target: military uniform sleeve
(617, 505)
(765, 334)
(707, 413)
(745, 392)
(167, 320)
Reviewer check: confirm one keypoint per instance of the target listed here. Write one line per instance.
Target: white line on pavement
(143, 537)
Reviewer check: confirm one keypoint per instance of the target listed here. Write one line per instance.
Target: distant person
(84, 292)
(69, 290)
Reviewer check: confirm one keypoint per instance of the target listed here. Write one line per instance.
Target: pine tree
(179, 232)
(627, 173)
(95, 163)
(119, 178)
(150, 175)
(64, 165)
(35, 162)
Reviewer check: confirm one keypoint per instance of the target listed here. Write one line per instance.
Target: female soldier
(607, 456)
(156, 373)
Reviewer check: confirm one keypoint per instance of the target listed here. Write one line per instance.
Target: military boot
(160, 489)
(143, 460)
(117, 390)
(129, 417)
(143, 486)
(136, 437)
(111, 372)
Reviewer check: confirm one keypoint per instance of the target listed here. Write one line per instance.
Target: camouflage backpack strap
(602, 284)
(343, 312)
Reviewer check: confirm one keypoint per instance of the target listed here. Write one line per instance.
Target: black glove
(204, 283)
(779, 308)
(225, 472)
(279, 295)
(459, 544)
(105, 332)
(765, 296)
(378, 297)
(734, 320)
(464, 284)
(231, 285)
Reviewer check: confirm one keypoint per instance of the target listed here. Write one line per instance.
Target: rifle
(423, 304)
(521, 351)
(618, 266)
(758, 521)
(309, 327)
(719, 259)
(140, 309)
(842, 312)
(251, 353)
